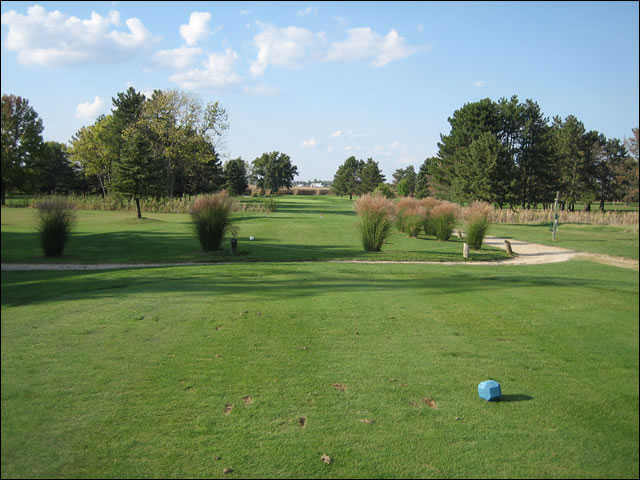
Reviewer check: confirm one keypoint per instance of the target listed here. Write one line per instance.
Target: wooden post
(554, 230)
(507, 244)
(465, 251)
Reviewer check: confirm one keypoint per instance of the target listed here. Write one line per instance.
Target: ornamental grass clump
(403, 208)
(476, 223)
(375, 220)
(55, 221)
(428, 204)
(443, 219)
(211, 217)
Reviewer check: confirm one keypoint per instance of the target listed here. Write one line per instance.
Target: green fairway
(603, 239)
(128, 373)
(303, 228)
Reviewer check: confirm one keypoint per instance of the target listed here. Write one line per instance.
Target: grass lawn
(303, 228)
(128, 373)
(604, 239)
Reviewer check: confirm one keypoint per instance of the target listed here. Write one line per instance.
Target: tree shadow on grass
(266, 282)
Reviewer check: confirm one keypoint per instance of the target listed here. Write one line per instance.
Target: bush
(269, 204)
(385, 190)
(375, 220)
(443, 219)
(211, 216)
(55, 220)
(476, 219)
(428, 204)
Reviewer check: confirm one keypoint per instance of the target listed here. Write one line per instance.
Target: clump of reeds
(404, 207)
(375, 220)
(211, 217)
(55, 221)
(443, 218)
(476, 223)
(428, 204)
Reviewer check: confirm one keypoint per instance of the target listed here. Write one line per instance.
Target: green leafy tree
(627, 173)
(272, 171)
(409, 175)
(370, 176)
(21, 142)
(96, 149)
(185, 134)
(347, 179)
(236, 178)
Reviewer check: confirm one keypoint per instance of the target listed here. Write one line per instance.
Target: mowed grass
(303, 228)
(128, 373)
(602, 239)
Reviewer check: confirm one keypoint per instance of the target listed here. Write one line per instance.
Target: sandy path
(527, 254)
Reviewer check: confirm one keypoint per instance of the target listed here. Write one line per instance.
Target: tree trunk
(138, 207)
(350, 195)
(587, 207)
(4, 195)
(602, 204)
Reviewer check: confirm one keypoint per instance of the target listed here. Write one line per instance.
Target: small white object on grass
(465, 250)
(252, 237)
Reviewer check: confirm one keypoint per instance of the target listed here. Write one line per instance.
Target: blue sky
(323, 81)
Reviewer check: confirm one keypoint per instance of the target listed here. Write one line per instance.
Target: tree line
(159, 146)
(507, 153)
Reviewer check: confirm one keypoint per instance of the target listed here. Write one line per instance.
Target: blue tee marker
(489, 390)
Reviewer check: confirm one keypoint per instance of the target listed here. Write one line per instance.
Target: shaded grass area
(603, 239)
(305, 228)
(128, 373)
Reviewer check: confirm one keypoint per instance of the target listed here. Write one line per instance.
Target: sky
(321, 81)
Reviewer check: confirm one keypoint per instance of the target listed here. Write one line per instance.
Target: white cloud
(309, 143)
(365, 44)
(261, 90)
(329, 149)
(479, 83)
(245, 12)
(177, 58)
(197, 28)
(306, 11)
(337, 133)
(217, 72)
(285, 47)
(340, 20)
(90, 110)
(53, 38)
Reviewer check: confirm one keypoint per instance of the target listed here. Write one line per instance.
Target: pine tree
(370, 176)
(235, 173)
(347, 179)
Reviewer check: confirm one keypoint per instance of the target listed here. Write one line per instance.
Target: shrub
(476, 219)
(55, 220)
(428, 204)
(375, 220)
(211, 216)
(269, 204)
(385, 190)
(443, 219)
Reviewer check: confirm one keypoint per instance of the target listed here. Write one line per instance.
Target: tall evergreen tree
(347, 179)
(235, 174)
(422, 179)
(370, 176)
(140, 170)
